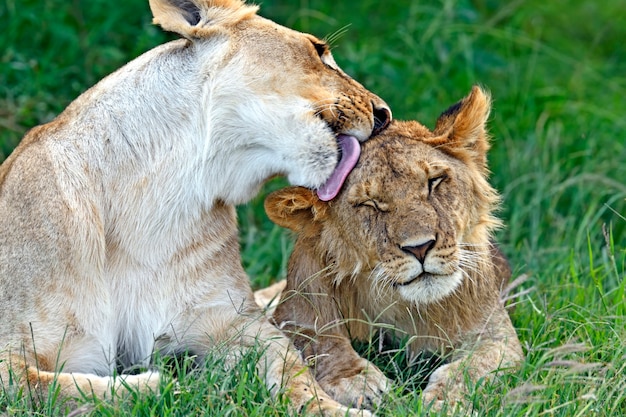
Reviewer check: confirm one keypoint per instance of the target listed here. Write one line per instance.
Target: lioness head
(413, 213)
(284, 101)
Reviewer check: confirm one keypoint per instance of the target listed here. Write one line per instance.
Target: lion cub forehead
(388, 169)
(390, 157)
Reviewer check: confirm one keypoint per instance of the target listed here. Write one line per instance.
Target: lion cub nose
(420, 250)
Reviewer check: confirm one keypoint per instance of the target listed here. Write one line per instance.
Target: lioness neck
(137, 136)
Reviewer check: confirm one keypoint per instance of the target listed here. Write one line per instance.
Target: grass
(555, 70)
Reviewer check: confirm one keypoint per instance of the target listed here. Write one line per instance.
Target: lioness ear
(462, 128)
(198, 18)
(294, 207)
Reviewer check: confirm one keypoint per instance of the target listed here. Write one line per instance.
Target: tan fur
(356, 262)
(118, 235)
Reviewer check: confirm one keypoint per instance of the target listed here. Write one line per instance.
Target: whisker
(380, 281)
(328, 107)
(326, 102)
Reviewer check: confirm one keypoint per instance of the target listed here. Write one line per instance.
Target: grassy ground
(556, 72)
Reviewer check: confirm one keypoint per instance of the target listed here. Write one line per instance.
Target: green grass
(556, 72)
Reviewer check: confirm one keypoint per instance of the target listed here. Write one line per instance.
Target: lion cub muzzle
(420, 250)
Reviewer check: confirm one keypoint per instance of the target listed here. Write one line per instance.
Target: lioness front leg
(31, 373)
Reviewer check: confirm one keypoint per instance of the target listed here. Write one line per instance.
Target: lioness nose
(420, 250)
(382, 117)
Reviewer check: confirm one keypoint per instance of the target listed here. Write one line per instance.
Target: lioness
(406, 245)
(118, 235)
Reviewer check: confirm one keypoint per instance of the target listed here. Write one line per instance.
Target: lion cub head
(415, 215)
(405, 248)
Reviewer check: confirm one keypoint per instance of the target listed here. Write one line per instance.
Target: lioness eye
(320, 48)
(434, 182)
(323, 52)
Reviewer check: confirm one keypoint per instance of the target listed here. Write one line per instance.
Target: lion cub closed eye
(407, 243)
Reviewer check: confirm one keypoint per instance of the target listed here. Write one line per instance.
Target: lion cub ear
(198, 18)
(294, 207)
(462, 128)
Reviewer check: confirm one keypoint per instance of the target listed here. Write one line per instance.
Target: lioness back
(407, 245)
(118, 234)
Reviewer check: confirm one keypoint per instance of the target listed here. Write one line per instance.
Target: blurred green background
(557, 74)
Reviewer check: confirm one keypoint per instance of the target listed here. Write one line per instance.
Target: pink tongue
(350, 151)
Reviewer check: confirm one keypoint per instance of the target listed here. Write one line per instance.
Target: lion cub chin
(405, 246)
(118, 232)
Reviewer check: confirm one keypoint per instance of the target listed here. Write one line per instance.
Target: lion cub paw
(363, 390)
(445, 386)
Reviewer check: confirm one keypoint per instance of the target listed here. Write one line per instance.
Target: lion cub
(406, 245)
